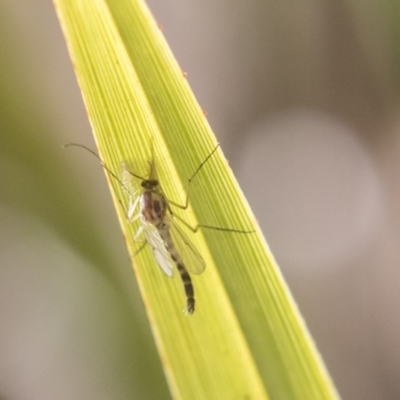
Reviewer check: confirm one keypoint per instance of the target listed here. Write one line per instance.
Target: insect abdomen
(187, 281)
(187, 284)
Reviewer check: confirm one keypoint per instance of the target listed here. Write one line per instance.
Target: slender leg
(184, 207)
(139, 249)
(216, 228)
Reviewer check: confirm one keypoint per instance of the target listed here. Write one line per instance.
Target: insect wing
(157, 246)
(130, 187)
(129, 183)
(192, 259)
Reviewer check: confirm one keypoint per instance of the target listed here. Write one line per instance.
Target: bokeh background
(304, 98)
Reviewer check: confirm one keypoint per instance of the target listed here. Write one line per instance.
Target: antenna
(107, 169)
(98, 157)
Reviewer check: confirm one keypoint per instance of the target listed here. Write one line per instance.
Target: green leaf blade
(246, 338)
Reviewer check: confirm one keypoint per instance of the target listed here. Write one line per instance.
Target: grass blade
(246, 340)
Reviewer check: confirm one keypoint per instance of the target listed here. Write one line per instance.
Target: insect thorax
(153, 207)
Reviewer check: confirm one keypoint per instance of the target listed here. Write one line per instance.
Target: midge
(148, 204)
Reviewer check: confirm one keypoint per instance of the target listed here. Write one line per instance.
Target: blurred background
(304, 98)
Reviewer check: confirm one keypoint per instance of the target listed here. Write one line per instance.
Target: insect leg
(140, 248)
(185, 206)
(216, 228)
(131, 210)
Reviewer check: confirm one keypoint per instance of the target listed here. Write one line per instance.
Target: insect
(167, 240)
(169, 244)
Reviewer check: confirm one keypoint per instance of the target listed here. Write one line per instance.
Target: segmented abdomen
(187, 281)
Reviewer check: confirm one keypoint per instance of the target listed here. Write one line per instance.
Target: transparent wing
(192, 259)
(157, 246)
(130, 187)
(130, 183)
